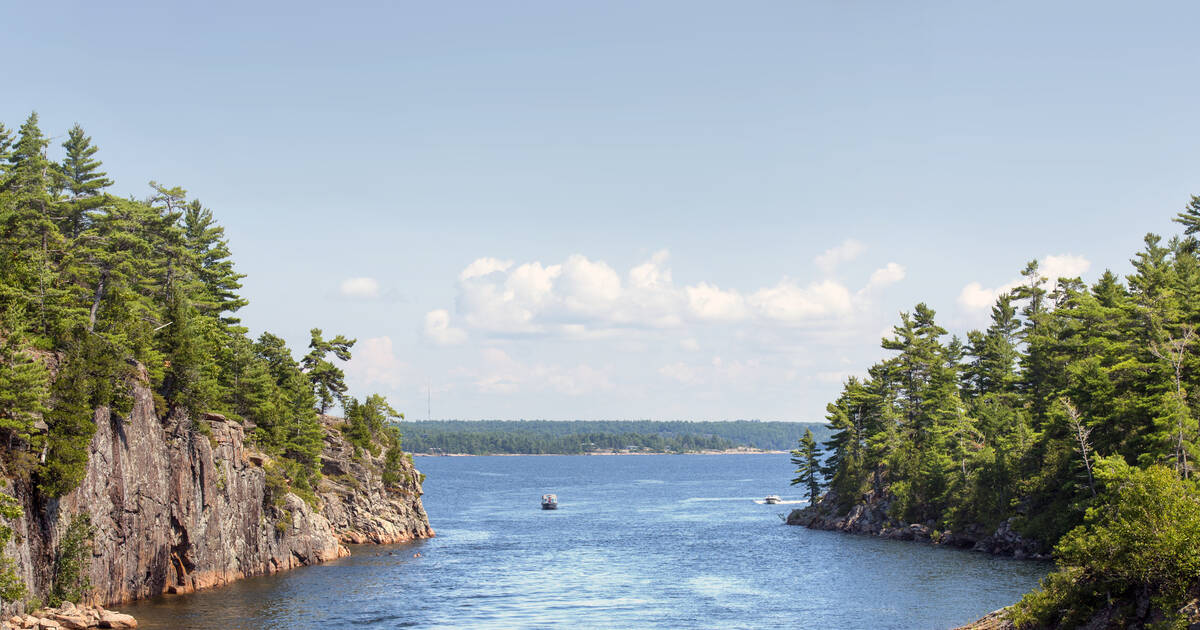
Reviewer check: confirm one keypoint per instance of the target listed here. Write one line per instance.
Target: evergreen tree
(205, 240)
(82, 180)
(808, 466)
(24, 382)
(28, 230)
(328, 380)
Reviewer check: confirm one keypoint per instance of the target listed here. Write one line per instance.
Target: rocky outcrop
(71, 617)
(179, 506)
(995, 620)
(355, 502)
(869, 516)
(1107, 618)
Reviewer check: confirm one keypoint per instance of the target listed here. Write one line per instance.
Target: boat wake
(789, 502)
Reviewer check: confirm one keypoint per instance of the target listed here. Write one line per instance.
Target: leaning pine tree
(808, 466)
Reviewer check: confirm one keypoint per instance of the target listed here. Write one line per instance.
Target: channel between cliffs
(176, 510)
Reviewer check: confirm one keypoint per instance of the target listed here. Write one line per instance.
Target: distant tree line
(478, 437)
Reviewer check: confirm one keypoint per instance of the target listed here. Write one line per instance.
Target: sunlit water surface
(662, 541)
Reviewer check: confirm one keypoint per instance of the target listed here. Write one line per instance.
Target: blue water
(670, 541)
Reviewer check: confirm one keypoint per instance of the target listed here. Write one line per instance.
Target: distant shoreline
(734, 451)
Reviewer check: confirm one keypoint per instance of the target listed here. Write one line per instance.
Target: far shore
(734, 451)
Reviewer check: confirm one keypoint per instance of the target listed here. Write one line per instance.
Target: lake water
(660, 541)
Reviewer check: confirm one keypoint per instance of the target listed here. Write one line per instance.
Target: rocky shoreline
(869, 517)
(69, 616)
(180, 505)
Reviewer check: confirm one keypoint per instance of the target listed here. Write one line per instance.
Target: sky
(629, 210)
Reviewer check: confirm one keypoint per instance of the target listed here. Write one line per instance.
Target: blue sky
(662, 210)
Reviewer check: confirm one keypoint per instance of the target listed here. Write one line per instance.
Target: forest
(536, 437)
(98, 290)
(1074, 414)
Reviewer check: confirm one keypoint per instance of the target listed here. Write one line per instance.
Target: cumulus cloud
(438, 328)
(483, 267)
(791, 304)
(1064, 266)
(711, 303)
(365, 288)
(847, 251)
(581, 297)
(885, 276)
(374, 362)
(978, 298)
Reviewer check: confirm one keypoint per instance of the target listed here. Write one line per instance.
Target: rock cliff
(176, 510)
(870, 516)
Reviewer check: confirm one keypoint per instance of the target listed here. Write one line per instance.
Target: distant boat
(772, 499)
(549, 502)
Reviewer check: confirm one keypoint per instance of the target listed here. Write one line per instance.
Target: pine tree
(808, 466)
(82, 180)
(328, 381)
(30, 237)
(6, 141)
(214, 265)
(24, 382)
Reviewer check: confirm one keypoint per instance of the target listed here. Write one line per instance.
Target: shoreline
(608, 454)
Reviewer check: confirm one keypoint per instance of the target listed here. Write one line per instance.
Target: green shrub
(1141, 540)
(12, 587)
(73, 562)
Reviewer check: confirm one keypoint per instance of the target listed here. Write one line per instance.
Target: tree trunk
(96, 301)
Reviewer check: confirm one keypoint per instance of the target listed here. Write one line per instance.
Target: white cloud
(374, 361)
(483, 267)
(690, 344)
(790, 304)
(583, 298)
(848, 250)
(709, 302)
(1063, 266)
(588, 287)
(975, 297)
(367, 288)
(437, 328)
(652, 274)
(885, 276)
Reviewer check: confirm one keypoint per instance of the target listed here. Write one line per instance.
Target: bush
(12, 587)
(1140, 542)
(73, 562)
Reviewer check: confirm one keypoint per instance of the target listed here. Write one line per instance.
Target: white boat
(772, 499)
(549, 502)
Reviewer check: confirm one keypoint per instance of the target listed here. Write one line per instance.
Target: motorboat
(772, 499)
(549, 502)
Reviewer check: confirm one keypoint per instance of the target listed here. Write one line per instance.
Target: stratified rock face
(869, 516)
(355, 501)
(175, 510)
